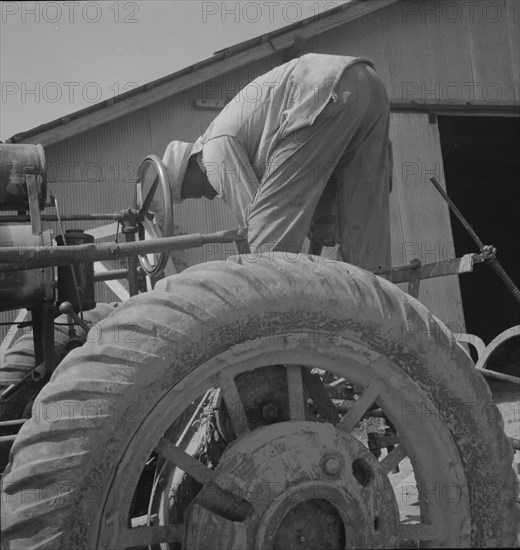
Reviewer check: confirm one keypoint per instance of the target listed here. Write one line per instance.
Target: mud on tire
(153, 345)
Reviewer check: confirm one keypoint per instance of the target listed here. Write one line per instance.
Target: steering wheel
(148, 221)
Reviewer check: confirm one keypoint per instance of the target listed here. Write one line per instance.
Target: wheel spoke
(149, 198)
(420, 531)
(184, 461)
(212, 497)
(153, 231)
(295, 390)
(224, 503)
(139, 195)
(393, 458)
(144, 536)
(234, 405)
(359, 409)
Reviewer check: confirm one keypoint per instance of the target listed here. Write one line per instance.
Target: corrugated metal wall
(420, 220)
(97, 170)
(425, 50)
(432, 50)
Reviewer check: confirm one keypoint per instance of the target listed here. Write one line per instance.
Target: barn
(452, 70)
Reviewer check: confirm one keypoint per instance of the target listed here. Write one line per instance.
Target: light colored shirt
(237, 145)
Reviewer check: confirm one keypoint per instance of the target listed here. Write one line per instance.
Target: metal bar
(79, 217)
(72, 269)
(10, 423)
(68, 309)
(458, 107)
(499, 376)
(499, 270)
(34, 204)
(115, 286)
(133, 263)
(13, 388)
(32, 257)
(110, 275)
(65, 218)
(49, 358)
(455, 266)
(457, 213)
(11, 427)
(37, 320)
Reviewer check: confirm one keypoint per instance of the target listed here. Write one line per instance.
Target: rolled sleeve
(230, 173)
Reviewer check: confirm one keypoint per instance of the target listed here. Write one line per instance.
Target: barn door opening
(482, 169)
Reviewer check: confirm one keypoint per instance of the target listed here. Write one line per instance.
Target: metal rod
(110, 275)
(72, 268)
(13, 388)
(9, 427)
(49, 358)
(68, 309)
(457, 213)
(500, 376)
(11, 423)
(133, 262)
(499, 270)
(32, 257)
(65, 218)
(462, 107)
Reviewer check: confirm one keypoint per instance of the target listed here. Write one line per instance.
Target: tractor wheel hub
(311, 486)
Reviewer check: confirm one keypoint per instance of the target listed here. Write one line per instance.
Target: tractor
(267, 401)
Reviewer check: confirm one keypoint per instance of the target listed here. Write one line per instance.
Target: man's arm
(229, 171)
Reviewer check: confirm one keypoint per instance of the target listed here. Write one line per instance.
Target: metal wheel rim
(418, 437)
(145, 224)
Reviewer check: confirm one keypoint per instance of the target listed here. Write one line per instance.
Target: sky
(59, 57)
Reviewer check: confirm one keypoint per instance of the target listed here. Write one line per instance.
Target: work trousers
(331, 179)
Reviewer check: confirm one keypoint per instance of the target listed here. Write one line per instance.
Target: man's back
(278, 103)
(303, 149)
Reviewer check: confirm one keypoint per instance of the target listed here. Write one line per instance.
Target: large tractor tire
(19, 360)
(110, 407)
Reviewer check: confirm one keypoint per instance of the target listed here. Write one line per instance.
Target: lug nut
(270, 412)
(331, 466)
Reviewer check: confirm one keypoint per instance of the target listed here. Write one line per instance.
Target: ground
(507, 398)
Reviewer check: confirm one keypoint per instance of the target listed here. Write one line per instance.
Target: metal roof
(281, 40)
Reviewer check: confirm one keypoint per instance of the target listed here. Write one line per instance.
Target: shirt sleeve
(230, 173)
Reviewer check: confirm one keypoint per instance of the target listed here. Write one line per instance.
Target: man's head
(195, 184)
(187, 177)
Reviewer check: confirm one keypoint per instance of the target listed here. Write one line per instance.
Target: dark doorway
(481, 158)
